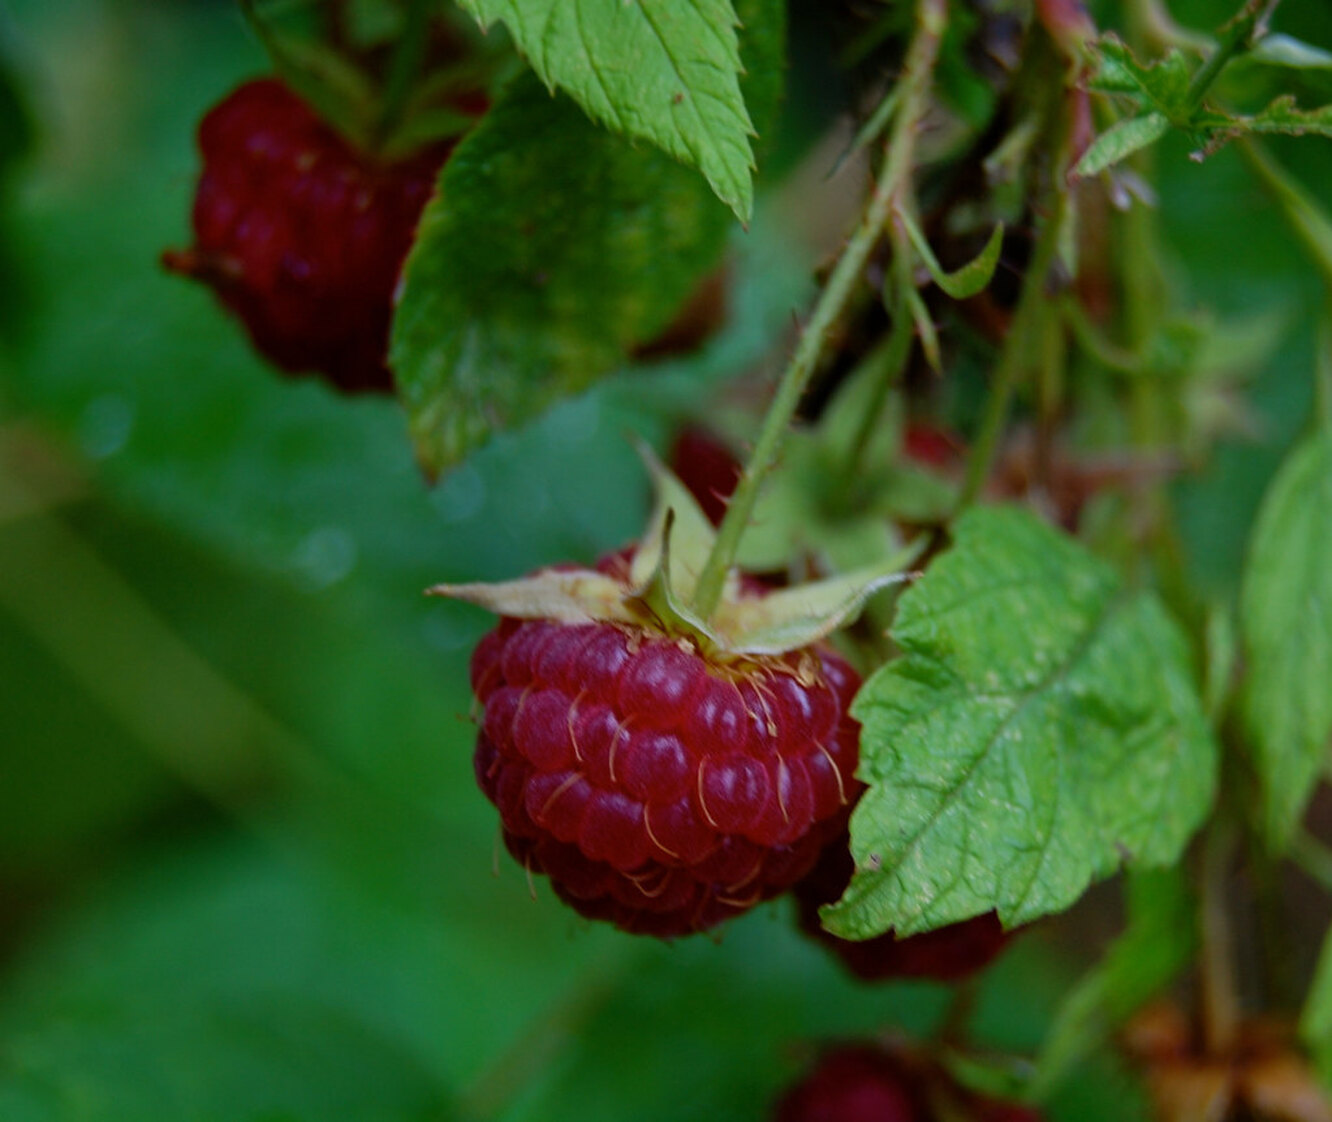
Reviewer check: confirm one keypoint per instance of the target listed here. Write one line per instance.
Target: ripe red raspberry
(302, 235)
(945, 955)
(867, 1083)
(851, 1083)
(659, 788)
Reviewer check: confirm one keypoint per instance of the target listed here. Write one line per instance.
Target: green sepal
(676, 514)
(971, 278)
(796, 617)
(569, 596)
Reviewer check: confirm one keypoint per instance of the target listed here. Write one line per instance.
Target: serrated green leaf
(1281, 116)
(1121, 140)
(1286, 625)
(551, 248)
(1161, 85)
(656, 70)
(1041, 728)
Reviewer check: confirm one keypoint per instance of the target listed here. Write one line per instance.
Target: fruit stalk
(1220, 1002)
(408, 55)
(893, 181)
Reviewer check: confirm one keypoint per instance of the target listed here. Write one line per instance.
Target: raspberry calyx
(665, 771)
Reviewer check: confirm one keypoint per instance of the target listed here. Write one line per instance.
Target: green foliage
(653, 70)
(593, 242)
(292, 914)
(1316, 1016)
(1158, 942)
(592, 245)
(969, 279)
(1041, 728)
(1286, 621)
(1168, 93)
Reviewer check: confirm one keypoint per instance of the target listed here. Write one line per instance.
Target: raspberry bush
(872, 464)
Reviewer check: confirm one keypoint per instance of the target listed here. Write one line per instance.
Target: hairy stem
(1220, 1002)
(408, 54)
(1032, 311)
(889, 189)
(888, 359)
(1237, 36)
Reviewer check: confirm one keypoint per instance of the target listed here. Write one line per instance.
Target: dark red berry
(852, 1083)
(863, 1082)
(932, 446)
(945, 954)
(302, 235)
(658, 788)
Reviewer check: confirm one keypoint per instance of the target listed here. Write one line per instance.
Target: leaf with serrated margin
(1041, 728)
(1162, 85)
(1281, 116)
(1286, 625)
(551, 247)
(659, 70)
(1121, 140)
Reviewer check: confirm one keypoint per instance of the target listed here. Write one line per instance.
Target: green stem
(1313, 857)
(887, 360)
(1033, 308)
(892, 183)
(1238, 35)
(1323, 371)
(1220, 1001)
(408, 54)
(1306, 217)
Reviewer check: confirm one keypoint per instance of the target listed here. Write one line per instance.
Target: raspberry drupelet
(658, 788)
(301, 234)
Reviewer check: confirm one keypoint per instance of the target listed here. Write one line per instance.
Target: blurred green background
(244, 870)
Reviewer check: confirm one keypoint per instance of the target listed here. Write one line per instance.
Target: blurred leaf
(1281, 116)
(1287, 51)
(18, 131)
(1157, 945)
(1286, 622)
(222, 985)
(1121, 141)
(653, 70)
(1316, 1016)
(1041, 728)
(1161, 85)
(590, 246)
(552, 247)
